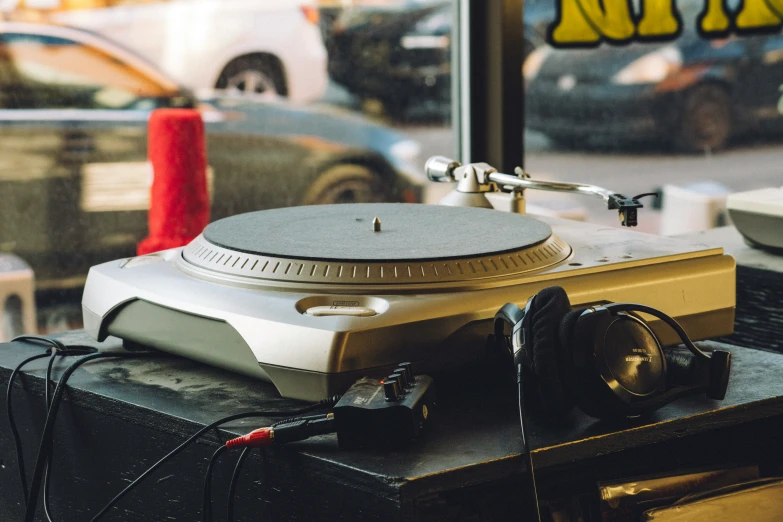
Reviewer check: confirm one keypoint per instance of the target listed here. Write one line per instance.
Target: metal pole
(489, 91)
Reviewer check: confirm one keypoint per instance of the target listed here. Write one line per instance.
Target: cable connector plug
(305, 428)
(255, 439)
(290, 430)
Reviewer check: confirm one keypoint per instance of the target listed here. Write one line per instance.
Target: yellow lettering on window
(659, 20)
(759, 16)
(585, 22)
(714, 19)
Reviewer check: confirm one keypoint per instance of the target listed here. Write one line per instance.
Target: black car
(74, 177)
(401, 54)
(692, 94)
(396, 54)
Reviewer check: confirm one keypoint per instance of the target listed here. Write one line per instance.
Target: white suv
(272, 47)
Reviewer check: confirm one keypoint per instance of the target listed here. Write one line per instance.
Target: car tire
(259, 74)
(706, 120)
(346, 184)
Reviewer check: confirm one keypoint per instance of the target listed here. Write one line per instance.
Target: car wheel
(346, 184)
(706, 120)
(254, 75)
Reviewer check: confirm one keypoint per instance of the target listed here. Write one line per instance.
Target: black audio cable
(41, 339)
(43, 458)
(303, 428)
(56, 349)
(12, 423)
(47, 399)
(206, 508)
(326, 403)
(233, 484)
(69, 350)
(45, 447)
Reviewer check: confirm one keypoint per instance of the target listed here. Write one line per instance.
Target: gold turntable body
(310, 298)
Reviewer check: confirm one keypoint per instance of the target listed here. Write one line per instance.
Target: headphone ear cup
(590, 392)
(548, 309)
(572, 353)
(566, 331)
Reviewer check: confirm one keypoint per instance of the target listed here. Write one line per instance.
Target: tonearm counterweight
(475, 180)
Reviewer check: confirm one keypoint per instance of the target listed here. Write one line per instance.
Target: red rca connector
(255, 439)
(287, 431)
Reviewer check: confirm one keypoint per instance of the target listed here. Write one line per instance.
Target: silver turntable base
(311, 298)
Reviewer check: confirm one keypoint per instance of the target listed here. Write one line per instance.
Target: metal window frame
(487, 88)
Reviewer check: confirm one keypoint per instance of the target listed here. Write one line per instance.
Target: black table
(119, 416)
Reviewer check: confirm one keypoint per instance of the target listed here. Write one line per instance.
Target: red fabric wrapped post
(179, 202)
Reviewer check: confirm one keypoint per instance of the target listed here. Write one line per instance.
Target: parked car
(330, 10)
(692, 93)
(397, 54)
(74, 179)
(270, 46)
(400, 54)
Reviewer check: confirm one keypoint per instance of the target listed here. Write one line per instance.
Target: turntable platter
(338, 244)
(345, 232)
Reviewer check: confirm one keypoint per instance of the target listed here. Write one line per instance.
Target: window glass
(42, 71)
(304, 102)
(691, 117)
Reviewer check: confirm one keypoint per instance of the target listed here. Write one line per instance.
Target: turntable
(311, 298)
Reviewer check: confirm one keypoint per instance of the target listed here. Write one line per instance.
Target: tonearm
(475, 180)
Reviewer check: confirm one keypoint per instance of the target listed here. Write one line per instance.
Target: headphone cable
(525, 445)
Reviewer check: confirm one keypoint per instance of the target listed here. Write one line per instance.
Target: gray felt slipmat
(340, 243)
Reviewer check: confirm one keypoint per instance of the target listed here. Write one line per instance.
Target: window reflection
(42, 71)
(78, 79)
(674, 117)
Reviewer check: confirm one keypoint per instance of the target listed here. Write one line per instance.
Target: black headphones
(606, 360)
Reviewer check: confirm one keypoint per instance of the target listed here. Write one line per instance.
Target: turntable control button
(351, 311)
(391, 389)
(402, 378)
(406, 367)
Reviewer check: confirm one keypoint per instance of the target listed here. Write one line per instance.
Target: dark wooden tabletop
(475, 435)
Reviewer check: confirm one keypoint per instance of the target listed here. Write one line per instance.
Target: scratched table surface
(120, 415)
